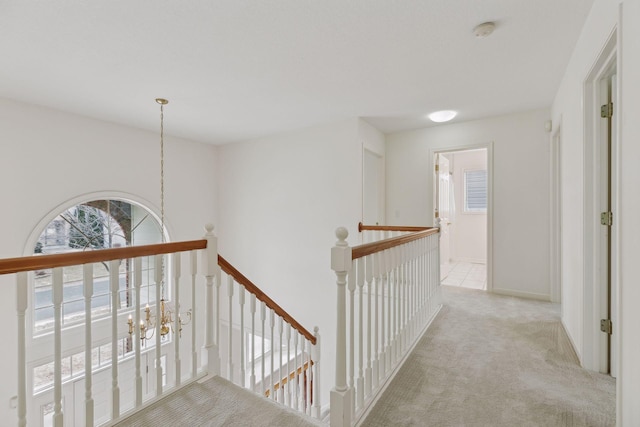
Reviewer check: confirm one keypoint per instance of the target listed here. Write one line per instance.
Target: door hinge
(437, 168)
(606, 218)
(606, 326)
(606, 111)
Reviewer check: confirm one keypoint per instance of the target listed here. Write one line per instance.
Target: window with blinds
(475, 191)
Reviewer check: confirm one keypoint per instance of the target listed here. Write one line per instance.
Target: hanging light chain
(162, 103)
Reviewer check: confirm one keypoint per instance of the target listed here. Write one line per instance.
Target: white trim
(96, 195)
(521, 294)
(489, 147)
(594, 351)
(555, 208)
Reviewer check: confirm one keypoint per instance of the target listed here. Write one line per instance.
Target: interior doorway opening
(462, 212)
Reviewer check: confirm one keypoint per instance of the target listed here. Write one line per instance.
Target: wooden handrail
(362, 227)
(43, 262)
(242, 279)
(291, 376)
(371, 248)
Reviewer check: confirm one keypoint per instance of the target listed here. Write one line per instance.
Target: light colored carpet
(216, 402)
(490, 360)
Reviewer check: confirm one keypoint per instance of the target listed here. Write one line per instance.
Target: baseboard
(372, 402)
(470, 260)
(521, 294)
(573, 344)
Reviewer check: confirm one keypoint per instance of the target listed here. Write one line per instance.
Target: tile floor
(465, 275)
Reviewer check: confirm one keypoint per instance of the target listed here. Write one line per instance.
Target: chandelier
(148, 326)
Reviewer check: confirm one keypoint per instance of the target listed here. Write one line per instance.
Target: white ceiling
(240, 69)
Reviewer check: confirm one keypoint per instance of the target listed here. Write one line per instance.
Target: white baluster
(383, 346)
(369, 279)
(280, 381)
(296, 364)
(272, 382)
(194, 353)
(22, 300)
(175, 258)
(114, 281)
(288, 394)
(341, 258)
(389, 270)
(57, 347)
(210, 266)
(301, 372)
(252, 309)
(376, 321)
(263, 318)
(135, 336)
(87, 292)
(396, 305)
(307, 379)
(158, 273)
(315, 378)
(230, 337)
(351, 286)
(360, 391)
(243, 368)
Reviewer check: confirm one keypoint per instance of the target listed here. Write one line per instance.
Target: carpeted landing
(216, 402)
(491, 360)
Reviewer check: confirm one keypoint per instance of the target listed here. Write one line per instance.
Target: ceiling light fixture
(442, 116)
(484, 30)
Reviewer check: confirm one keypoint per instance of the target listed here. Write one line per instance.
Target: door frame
(595, 354)
(432, 164)
(555, 226)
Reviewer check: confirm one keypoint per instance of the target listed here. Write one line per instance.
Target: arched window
(93, 225)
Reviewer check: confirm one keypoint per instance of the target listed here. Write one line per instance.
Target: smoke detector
(484, 30)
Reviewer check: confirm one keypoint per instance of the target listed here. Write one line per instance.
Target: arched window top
(99, 224)
(93, 225)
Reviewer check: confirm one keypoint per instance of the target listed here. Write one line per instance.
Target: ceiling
(240, 69)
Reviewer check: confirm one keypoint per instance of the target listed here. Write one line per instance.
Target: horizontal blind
(475, 191)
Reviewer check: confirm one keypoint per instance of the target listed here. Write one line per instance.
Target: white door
(373, 189)
(443, 212)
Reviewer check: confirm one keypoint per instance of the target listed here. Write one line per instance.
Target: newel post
(210, 267)
(340, 395)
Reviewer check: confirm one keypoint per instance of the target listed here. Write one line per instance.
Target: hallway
(491, 360)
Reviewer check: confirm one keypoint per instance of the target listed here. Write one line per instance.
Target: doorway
(461, 213)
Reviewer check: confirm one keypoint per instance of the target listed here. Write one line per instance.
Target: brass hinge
(437, 168)
(606, 111)
(606, 326)
(606, 218)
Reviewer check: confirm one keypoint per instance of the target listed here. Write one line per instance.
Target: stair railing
(372, 233)
(283, 359)
(123, 324)
(388, 293)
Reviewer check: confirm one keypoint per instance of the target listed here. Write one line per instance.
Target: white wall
(629, 374)
(281, 200)
(568, 113)
(520, 191)
(468, 229)
(49, 157)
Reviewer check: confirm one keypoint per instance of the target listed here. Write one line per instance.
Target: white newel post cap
(341, 252)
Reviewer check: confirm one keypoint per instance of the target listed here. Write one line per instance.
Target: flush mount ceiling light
(484, 30)
(442, 116)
